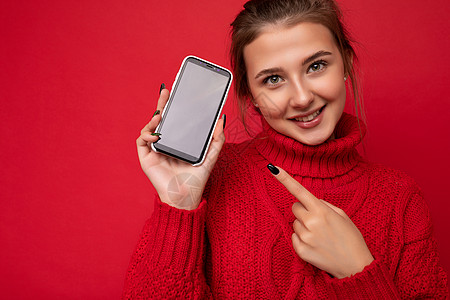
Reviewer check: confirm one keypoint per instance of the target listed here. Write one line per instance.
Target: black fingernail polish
(156, 112)
(155, 134)
(224, 117)
(274, 170)
(163, 86)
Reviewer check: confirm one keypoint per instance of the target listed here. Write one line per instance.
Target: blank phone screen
(195, 102)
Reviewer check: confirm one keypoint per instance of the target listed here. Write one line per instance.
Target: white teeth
(308, 118)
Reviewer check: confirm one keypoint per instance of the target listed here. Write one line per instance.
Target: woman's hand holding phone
(178, 183)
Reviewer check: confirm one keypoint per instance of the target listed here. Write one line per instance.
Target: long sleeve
(169, 259)
(374, 282)
(237, 244)
(418, 275)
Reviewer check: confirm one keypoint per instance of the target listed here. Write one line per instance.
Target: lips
(309, 117)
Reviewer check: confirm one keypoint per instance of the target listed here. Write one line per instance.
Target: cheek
(332, 89)
(270, 104)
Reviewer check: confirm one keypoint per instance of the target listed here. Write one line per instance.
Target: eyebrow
(308, 60)
(315, 56)
(268, 72)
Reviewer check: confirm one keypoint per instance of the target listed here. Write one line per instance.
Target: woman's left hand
(324, 235)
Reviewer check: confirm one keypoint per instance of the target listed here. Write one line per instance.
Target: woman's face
(296, 77)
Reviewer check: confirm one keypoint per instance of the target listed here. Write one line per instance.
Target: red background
(79, 79)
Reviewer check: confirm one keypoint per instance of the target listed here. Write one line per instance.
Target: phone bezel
(176, 153)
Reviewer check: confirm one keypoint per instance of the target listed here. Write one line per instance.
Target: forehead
(279, 45)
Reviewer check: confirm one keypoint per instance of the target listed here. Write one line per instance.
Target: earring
(345, 78)
(255, 104)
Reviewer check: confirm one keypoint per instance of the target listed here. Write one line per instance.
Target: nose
(301, 94)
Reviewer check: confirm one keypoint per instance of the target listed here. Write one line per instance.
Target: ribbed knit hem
(374, 282)
(178, 235)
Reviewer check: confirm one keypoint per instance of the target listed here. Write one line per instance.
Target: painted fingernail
(163, 86)
(155, 134)
(224, 117)
(156, 112)
(274, 170)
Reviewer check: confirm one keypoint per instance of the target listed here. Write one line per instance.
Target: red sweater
(237, 243)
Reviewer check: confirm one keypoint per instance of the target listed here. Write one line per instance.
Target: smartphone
(193, 109)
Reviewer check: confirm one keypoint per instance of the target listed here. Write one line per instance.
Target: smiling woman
(301, 70)
(324, 223)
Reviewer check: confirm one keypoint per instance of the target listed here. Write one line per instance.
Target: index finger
(308, 200)
(163, 97)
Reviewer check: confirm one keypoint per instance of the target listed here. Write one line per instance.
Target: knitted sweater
(237, 243)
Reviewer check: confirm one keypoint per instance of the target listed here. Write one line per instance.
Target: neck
(334, 158)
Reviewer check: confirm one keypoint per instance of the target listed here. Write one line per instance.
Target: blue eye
(317, 66)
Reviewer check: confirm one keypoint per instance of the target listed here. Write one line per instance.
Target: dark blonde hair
(257, 14)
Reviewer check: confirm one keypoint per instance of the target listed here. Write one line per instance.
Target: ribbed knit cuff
(178, 235)
(374, 282)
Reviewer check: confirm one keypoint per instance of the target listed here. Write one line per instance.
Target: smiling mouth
(310, 117)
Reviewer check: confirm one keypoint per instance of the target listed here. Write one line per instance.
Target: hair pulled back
(257, 14)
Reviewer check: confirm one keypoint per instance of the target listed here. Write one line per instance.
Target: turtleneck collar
(327, 160)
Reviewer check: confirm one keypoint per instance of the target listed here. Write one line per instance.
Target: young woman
(295, 213)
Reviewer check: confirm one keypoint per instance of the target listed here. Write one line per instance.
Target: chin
(314, 139)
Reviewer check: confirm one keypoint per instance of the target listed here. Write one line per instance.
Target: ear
(250, 95)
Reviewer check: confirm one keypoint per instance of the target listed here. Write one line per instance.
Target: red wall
(79, 79)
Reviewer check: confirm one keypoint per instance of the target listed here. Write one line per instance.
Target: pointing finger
(308, 200)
